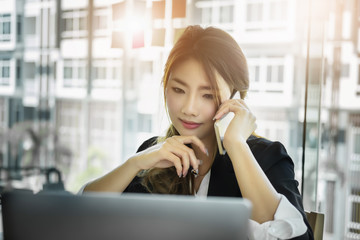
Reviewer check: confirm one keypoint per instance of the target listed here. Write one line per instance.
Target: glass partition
(331, 170)
(76, 78)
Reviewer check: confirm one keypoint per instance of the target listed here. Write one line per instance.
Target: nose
(190, 106)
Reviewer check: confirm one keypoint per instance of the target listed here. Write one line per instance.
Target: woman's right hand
(171, 152)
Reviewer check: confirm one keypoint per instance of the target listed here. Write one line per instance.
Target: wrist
(233, 143)
(236, 145)
(132, 162)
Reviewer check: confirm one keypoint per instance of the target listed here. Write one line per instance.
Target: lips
(190, 125)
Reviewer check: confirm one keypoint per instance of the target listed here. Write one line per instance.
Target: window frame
(76, 31)
(5, 18)
(266, 23)
(3, 64)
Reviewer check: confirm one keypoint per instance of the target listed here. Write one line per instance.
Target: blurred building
(63, 66)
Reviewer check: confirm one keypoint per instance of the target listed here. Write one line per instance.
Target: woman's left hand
(241, 126)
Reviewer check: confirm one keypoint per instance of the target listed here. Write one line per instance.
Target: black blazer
(272, 158)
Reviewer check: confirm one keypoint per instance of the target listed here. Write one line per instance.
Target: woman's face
(191, 100)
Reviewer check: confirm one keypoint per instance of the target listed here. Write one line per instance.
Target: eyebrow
(181, 82)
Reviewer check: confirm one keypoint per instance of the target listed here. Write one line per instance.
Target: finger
(242, 102)
(177, 163)
(233, 105)
(171, 153)
(194, 140)
(223, 110)
(181, 151)
(185, 161)
(191, 155)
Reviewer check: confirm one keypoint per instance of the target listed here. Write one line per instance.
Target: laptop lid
(127, 216)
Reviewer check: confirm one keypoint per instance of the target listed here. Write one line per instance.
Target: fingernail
(200, 162)
(206, 151)
(180, 174)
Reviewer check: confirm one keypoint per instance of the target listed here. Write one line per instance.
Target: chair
(316, 221)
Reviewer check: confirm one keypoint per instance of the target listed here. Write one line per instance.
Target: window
(69, 124)
(144, 122)
(354, 225)
(226, 14)
(30, 26)
(18, 73)
(254, 73)
(18, 28)
(69, 24)
(75, 24)
(107, 73)
(275, 129)
(356, 213)
(275, 74)
(345, 70)
(103, 122)
(100, 72)
(4, 72)
(267, 74)
(315, 71)
(216, 13)
(254, 12)
(5, 27)
(3, 117)
(264, 15)
(75, 73)
(100, 20)
(277, 10)
(68, 72)
(357, 144)
(206, 13)
(29, 70)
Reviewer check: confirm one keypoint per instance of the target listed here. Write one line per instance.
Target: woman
(204, 71)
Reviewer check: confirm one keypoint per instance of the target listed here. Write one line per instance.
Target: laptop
(122, 216)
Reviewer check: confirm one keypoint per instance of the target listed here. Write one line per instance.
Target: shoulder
(277, 166)
(148, 143)
(268, 153)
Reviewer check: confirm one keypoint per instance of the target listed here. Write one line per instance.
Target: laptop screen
(125, 216)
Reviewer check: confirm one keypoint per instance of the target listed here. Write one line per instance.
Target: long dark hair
(218, 53)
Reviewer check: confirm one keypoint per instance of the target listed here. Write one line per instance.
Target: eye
(177, 90)
(208, 96)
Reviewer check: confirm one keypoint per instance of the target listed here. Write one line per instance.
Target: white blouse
(288, 221)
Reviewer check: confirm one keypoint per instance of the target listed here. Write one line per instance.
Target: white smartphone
(220, 129)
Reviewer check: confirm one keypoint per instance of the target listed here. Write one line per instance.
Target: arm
(280, 172)
(262, 184)
(252, 181)
(287, 224)
(117, 180)
(172, 152)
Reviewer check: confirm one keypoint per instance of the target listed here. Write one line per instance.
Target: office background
(80, 87)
